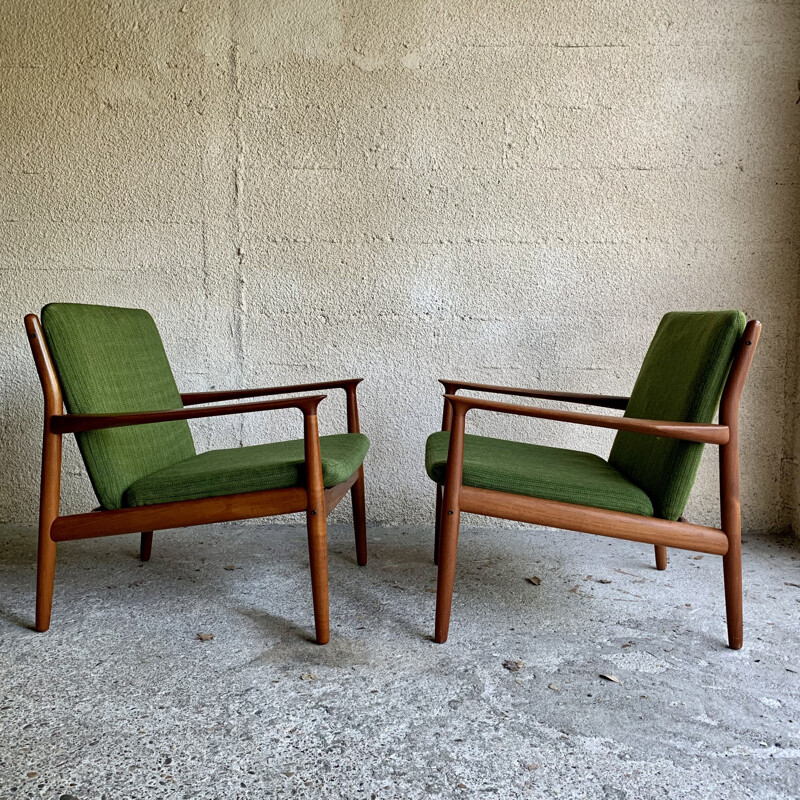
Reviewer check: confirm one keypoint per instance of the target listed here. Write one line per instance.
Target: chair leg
(448, 547)
(146, 546)
(360, 518)
(45, 579)
(437, 524)
(48, 511)
(318, 556)
(732, 570)
(731, 518)
(661, 556)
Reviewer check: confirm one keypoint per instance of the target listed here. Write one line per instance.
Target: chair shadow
(295, 644)
(16, 620)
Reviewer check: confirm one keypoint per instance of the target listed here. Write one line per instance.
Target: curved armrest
(604, 400)
(687, 431)
(348, 384)
(77, 423)
(193, 398)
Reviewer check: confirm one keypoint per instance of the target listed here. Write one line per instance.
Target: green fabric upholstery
(681, 379)
(248, 469)
(112, 360)
(551, 473)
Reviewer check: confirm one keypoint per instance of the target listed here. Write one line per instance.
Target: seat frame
(313, 497)
(726, 541)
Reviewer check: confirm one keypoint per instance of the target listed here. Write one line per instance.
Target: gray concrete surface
(120, 699)
(508, 191)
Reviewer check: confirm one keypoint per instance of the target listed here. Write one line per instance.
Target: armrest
(77, 423)
(604, 400)
(193, 398)
(687, 431)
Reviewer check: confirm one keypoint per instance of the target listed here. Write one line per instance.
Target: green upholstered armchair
(108, 366)
(639, 492)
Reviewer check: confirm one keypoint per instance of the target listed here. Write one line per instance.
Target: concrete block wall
(510, 192)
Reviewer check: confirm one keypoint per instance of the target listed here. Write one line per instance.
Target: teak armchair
(109, 366)
(640, 492)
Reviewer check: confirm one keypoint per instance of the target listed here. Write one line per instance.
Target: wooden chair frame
(725, 541)
(312, 498)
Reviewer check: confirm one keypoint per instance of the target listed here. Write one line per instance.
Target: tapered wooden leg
(360, 518)
(661, 557)
(317, 529)
(45, 579)
(146, 546)
(732, 570)
(48, 511)
(437, 524)
(448, 534)
(448, 547)
(318, 556)
(732, 525)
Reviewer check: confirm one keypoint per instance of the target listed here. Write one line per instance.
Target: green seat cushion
(112, 360)
(681, 379)
(550, 473)
(248, 469)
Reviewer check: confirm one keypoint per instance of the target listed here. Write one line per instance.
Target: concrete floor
(121, 700)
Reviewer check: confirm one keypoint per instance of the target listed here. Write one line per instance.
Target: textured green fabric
(112, 360)
(551, 473)
(681, 379)
(248, 469)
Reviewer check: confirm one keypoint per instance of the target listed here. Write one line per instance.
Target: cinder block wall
(511, 192)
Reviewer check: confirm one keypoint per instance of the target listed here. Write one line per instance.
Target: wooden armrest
(687, 431)
(77, 423)
(193, 398)
(604, 400)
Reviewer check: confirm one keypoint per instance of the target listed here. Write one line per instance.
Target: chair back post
(729, 490)
(729, 415)
(352, 407)
(447, 412)
(50, 491)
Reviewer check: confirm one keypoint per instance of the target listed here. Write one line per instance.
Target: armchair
(109, 367)
(639, 493)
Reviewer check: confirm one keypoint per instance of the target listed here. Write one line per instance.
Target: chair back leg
(661, 556)
(360, 518)
(729, 490)
(732, 525)
(146, 546)
(48, 511)
(437, 525)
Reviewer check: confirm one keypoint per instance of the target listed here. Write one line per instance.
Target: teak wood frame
(725, 541)
(312, 498)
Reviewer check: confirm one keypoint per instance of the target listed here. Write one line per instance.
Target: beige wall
(512, 192)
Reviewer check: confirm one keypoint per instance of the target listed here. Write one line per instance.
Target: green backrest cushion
(112, 360)
(681, 379)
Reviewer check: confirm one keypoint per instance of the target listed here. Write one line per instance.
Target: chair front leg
(661, 556)
(317, 528)
(450, 520)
